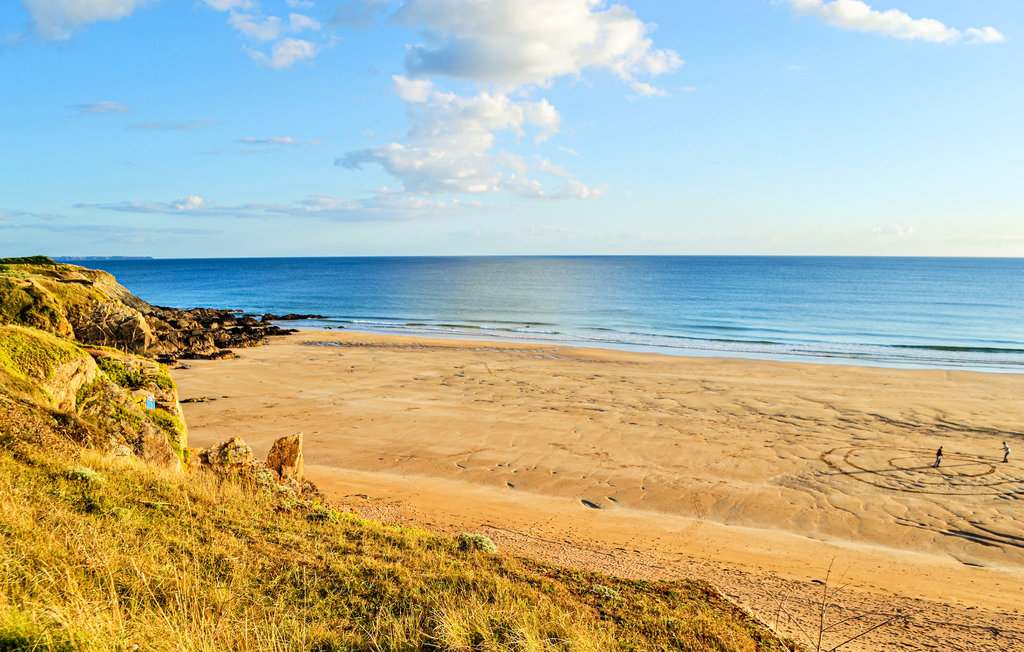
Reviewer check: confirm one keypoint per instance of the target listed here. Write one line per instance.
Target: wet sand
(756, 476)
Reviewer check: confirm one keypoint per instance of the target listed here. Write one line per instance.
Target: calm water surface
(905, 312)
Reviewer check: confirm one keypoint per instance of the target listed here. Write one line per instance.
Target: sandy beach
(756, 476)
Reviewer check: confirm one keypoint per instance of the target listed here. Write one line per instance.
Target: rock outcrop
(282, 472)
(233, 454)
(285, 458)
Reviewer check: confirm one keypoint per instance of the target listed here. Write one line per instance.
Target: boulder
(232, 453)
(285, 458)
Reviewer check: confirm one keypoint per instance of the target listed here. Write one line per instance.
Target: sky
(240, 128)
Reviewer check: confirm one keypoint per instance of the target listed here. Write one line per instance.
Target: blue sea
(945, 313)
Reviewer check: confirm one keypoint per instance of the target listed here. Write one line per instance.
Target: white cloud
(512, 47)
(304, 4)
(56, 19)
(452, 139)
(984, 35)
(99, 108)
(257, 27)
(647, 90)
(859, 16)
(285, 53)
(414, 91)
(271, 28)
(191, 204)
(510, 41)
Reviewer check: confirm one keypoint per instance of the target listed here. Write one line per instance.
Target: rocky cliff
(89, 306)
(77, 347)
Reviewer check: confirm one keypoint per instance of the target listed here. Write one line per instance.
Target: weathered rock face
(113, 324)
(285, 458)
(67, 379)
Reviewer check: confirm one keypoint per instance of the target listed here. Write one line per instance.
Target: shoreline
(814, 358)
(733, 470)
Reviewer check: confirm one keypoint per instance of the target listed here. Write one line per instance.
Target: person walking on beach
(1006, 452)
(938, 458)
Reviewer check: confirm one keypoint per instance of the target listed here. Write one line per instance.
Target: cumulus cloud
(451, 145)
(509, 41)
(99, 108)
(56, 19)
(504, 46)
(247, 18)
(859, 16)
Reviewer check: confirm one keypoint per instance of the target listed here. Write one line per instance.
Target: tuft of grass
(170, 562)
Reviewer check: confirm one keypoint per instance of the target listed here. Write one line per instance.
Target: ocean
(939, 313)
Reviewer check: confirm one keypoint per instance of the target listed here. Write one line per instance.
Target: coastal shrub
(118, 372)
(476, 542)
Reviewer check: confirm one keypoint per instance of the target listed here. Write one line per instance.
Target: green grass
(26, 303)
(99, 553)
(34, 354)
(119, 373)
(28, 260)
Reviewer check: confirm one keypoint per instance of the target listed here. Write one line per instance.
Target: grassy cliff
(101, 553)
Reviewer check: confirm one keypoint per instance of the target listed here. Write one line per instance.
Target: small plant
(323, 514)
(605, 592)
(83, 474)
(476, 542)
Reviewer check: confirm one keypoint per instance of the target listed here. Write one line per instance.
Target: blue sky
(201, 128)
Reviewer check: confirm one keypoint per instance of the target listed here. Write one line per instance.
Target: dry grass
(98, 553)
